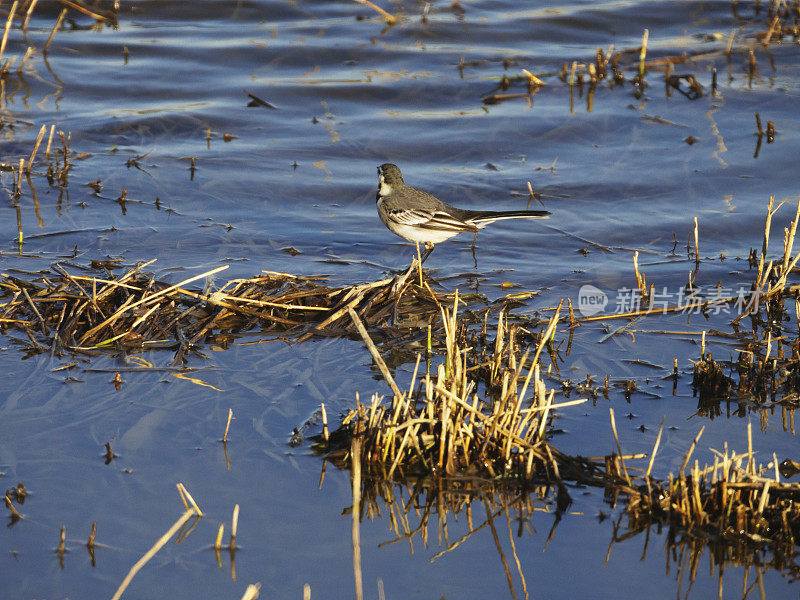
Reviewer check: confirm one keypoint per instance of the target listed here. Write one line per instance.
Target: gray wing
(430, 219)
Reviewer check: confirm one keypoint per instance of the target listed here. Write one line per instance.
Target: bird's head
(389, 174)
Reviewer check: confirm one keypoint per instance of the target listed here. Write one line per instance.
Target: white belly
(418, 234)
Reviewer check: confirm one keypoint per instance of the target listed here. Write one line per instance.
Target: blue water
(615, 172)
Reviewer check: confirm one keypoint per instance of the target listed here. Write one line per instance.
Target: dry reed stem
(28, 54)
(90, 541)
(643, 54)
(56, 27)
(84, 10)
(9, 21)
(15, 514)
(251, 593)
(355, 461)
(35, 310)
(655, 449)
(536, 81)
(227, 425)
(388, 17)
(187, 499)
(35, 148)
(234, 527)
(50, 141)
(691, 450)
(325, 434)
(191, 512)
(619, 448)
(28, 14)
(374, 352)
(549, 332)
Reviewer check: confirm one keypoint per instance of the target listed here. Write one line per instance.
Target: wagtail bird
(418, 216)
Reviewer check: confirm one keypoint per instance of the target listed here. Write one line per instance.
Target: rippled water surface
(157, 109)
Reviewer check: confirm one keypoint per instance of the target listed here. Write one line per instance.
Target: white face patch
(384, 189)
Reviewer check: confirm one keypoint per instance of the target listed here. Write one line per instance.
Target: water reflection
(447, 513)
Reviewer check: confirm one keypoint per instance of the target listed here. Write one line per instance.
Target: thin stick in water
(152, 552)
(373, 350)
(234, 526)
(655, 449)
(643, 54)
(8, 27)
(28, 15)
(325, 434)
(56, 27)
(388, 17)
(251, 593)
(355, 461)
(227, 425)
(50, 141)
(619, 448)
(36, 148)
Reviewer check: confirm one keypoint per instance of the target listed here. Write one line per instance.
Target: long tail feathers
(483, 218)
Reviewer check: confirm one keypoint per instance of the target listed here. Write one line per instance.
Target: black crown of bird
(418, 216)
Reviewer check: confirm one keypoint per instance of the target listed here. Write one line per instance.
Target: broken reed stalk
(50, 141)
(227, 426)
(251, 593)
(643, 55)
(15, 514)
(234, 527)
(194, 511)
(35, 148)
(28, 53)
(90, 542)
(696, 242)
(355, 461)
(325, 433)
(187, 500)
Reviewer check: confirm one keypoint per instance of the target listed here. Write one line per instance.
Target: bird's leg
(474, 258)
(428, 250)
(419, 264)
